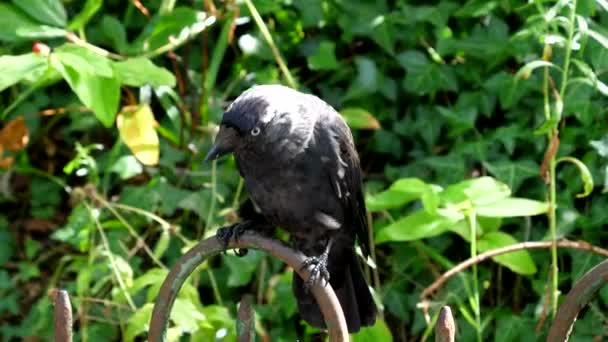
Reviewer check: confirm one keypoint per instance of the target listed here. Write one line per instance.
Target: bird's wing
(342, 162)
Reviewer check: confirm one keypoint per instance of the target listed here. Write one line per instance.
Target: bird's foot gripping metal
(319, 271)
(224, 235)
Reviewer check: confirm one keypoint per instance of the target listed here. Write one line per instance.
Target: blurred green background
(480, 124)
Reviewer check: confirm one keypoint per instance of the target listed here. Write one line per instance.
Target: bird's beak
(225, 142)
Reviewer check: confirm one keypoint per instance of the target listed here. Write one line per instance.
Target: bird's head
(259, 117)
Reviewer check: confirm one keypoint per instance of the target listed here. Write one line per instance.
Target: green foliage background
(453, 107)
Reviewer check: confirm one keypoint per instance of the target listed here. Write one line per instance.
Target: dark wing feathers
(344, 172)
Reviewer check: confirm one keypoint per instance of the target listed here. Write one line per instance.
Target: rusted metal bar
(62, 315)
(246, 320)
(445, 328)
(580, 295)
(324, 295)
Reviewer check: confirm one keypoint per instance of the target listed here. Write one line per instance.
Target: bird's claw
(318, 272)
(235, 231)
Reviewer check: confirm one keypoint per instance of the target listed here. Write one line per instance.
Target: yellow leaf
(136, 127)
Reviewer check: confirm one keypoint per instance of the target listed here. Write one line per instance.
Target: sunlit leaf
(91, 78)
(16, 68)
(512, 207)
(324, 58)
(136, 127)
(376, 333)
(359, 118)
(479, 191)
(416, 226)
(519, 262)
(138, 71)
(138, 322)
(399, 193)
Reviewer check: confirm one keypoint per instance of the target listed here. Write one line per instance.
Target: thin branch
(580, 245)
(268, 37)
(324, 295)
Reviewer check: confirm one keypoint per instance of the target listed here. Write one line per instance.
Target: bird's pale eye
(255, 131)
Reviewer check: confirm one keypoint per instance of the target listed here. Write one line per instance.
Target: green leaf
(172, 30)
(7, 241)
(139, 71)
(81, 19)
(367, 79)
(584, 173)
(512, 207)
(97, 91)
(378, 332)
(127, 167)
(49, 12)
(476, 8)
(398, 194)
(115, 32)
(324, 58)
(15, 68)
(424, 76)
(601, 146)
(186, 315)
(14, 23)
(138, 322)
(480, 191)
(359, 118)
(84, 60)
(40, 32)
(518, 262)
(416, 226)
(242, 269)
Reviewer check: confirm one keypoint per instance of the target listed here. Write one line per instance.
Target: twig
(76, 40)
(576, 299)
(277, 55)
(580, 245)
(113, 264)
(141, 7)
(324, 295)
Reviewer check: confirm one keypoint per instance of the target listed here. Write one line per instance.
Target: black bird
(297, 157)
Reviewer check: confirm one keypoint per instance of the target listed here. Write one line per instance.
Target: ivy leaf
(324, 58)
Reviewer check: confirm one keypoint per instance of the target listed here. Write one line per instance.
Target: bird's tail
(352, 292)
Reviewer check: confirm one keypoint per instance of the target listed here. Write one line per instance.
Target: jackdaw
(297, 157)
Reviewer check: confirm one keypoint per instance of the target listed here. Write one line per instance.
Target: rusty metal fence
(445, 328)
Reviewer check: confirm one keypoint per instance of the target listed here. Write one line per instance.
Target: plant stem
(472, 224)
(552, 163)
(264, 29)
(552, 227)
(113, 265)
